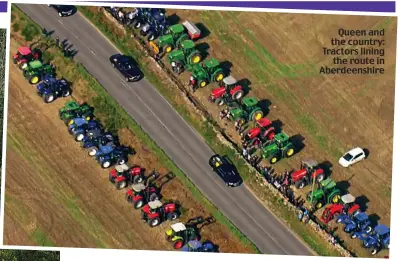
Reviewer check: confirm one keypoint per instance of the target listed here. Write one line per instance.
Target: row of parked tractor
(144, 193)
(178, 43)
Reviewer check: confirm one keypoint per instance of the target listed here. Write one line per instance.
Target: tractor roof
(188, 44)
(121, 168)
(155, 204)
(35, 64)
(71, 105)
(24, 50)
(310, 163)
(177, 227)
(348, 198)
(211, 63)
(280, 137)
(381, 229)
(328, 183)
(362, 216)
(106, 149)
(230, 80)
(177, 28)
(250, 101)
(139, 187)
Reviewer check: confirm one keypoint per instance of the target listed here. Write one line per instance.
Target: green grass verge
(205, 130)
(114, 117)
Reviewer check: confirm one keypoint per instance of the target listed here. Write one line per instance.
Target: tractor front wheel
(92, 151)
(137, 24)
(168, 48)
(318, 205)
(151, 37)
(66, 93)
(153, 197)
(34, 79)
(178, 244)
(120, 185)
(353, 235)
(106, 164)
(202, 83)
(138, 204)
(172, 216)
(219, 101)
(257, 115)
(335, 198)
(22, 65)
(196, 58)
(300, 184)
(289, 152)
(154, 222)
(320, 178)
(238, 95)
(79, 137)
(121, 161)
(374, 251)
(273, 159)
(48, 98)
(218, 77)
(138, 179)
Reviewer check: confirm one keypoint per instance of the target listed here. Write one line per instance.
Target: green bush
(16, 27)
(30, 31)
(28, 255)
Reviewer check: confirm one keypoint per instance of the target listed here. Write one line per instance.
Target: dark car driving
(226, 170)
(64, 10)
(126, 66)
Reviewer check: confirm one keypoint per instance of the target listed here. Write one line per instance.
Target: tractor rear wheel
(319, 204)
(300, 184)
(138, 204)
(172, 216)
(153, 197)
(121, 161)
(219, 101)
(178, 244)
(120, 185)
(353, 235)
(374, 251)
(368, 229)
(137, 24)
(202, 83)
(151, 37)
(48, 98)
(66, 93)
(92, 151)
(273, 159)
(22, 65)
(154, 222)
(289, 152)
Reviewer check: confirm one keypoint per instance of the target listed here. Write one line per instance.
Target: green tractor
(244, 111)
(278, 148)
(203, 74)
(35, 70)
(187, 55)
(327, 192)
(175, 35)
(72, 110)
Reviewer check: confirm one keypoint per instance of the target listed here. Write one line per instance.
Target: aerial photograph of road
(200, 131)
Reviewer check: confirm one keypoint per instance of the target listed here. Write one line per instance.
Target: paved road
(182, 144)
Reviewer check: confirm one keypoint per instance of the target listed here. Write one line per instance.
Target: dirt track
(57, 195)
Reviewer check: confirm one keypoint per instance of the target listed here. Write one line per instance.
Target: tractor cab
(122, 168)
(104, 150)
(35, 65)
(154, 206)
(309, 165)
(256, 131)
(281, 139)
(211, 65)
(347, 207)
(359, 222)
(137, 188)
(229, 82)
(178, 228)
(228, 91)
(23, 56)
(175, 30)
(307, 173)
(180, 234)
(326, 193)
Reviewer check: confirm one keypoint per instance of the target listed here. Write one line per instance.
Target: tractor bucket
(154, 47)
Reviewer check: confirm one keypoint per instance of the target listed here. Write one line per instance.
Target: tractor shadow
(374, 218)
(277, 125)
(246, 85)
(204, 31)
(203, 49)
(216, 247)
(298, 142)
(367, 153)
(173, 19)
(362, 201)
(343, 185)
(264, 104)
(326, 166)
(226, 66)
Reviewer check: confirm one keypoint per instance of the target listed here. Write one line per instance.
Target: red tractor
(308, 172)
(140, 194)
(154, 213)
(346, 206)
(263, 131)
(229, 91)
(24, 55)
(123, 175)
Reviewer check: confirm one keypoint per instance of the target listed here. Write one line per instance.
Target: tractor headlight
(173, 64)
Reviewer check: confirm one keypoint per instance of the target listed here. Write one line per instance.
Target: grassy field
(35, 154)
(280, 56)
(26, 255)
(2, 74)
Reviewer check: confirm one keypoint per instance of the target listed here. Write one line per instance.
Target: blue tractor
(197, 246)
(110, 155)
(80, 126)
(357, 222)
(51, 88)
(377, 240)
(155, 26)
(96, 138)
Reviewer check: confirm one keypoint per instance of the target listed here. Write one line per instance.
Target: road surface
(163, 124)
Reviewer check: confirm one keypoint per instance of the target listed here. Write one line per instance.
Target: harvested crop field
(57, 196)
(279, 56)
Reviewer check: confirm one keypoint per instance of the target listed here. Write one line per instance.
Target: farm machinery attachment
(80, 126)
(357, 222)
(186, 56)
(197, 246)
(180, 234)
(73, 110)
(262, 131)
(327, 192)
(204, 73)
(376, 240)
(228, 91)
(347, 206)
(96, 138)
(35, 71)
(51, 88)
(155, 212)
(107, 156)
(244, 111)
(25, 55)
(279, 147)
(308, 173)
(175, 35)
(143, 193)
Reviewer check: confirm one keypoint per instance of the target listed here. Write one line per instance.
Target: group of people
(66, 48)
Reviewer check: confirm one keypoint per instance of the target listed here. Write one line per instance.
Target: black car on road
(226, 170)
(64, 10)
(127, 67)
